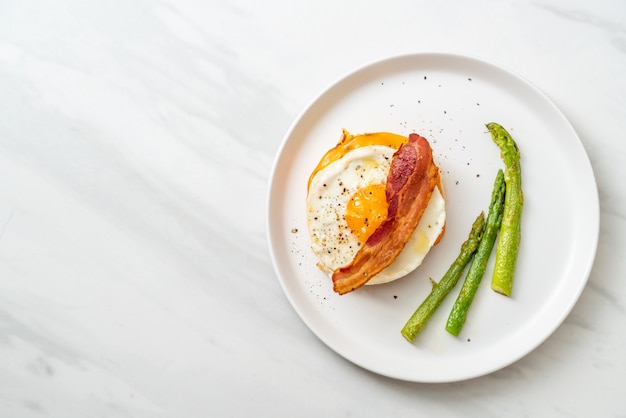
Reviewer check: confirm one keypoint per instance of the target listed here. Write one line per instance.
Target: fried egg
(346, 202)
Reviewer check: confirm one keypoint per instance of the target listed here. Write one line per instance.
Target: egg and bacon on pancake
(375, 207)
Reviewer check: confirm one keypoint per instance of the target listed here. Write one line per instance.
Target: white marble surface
(136, 143)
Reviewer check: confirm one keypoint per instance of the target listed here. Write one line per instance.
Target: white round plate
(448, 99)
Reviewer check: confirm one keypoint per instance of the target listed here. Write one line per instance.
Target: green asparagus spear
(508, 242)
(479, 262)
(419, 318)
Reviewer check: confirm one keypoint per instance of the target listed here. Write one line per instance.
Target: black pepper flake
(294, 230)
(469, 340)
(469, 78)
(478, 175)
(395, 296)
(424, 77)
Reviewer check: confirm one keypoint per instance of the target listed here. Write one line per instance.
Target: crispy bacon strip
(410, 183)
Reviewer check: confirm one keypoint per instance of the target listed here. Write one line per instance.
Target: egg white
(329, 193)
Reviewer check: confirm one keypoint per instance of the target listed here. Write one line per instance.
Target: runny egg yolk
(366, 210)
